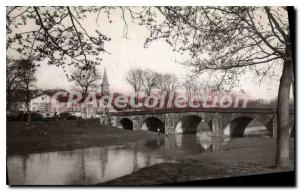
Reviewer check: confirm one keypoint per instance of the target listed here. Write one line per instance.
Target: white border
(112, 3)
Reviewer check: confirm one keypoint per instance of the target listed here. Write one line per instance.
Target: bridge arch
(126, 123)
(239, 127)
(191, 124)
(152, 124)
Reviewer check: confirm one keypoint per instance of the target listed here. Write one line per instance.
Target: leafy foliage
(55, 34)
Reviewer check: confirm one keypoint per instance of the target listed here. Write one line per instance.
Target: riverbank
(239, 157)
(66, 135)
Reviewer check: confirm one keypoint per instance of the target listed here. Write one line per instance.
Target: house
(41, 102)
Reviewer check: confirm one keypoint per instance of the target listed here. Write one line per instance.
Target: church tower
(105, 84)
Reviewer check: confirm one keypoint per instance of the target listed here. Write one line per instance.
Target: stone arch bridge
(216, 119)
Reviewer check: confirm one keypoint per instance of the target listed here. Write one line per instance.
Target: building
(16, 101)
(105, 84)
(41, 102)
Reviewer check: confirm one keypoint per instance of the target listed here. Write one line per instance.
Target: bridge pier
(217, 131)
(169, 124)
(113, 121)
(217, 125)
(135, 123)
(105, 120)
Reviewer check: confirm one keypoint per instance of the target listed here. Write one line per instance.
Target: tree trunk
(28, 112)
(136, 99)
(283, 137)
(27, 104)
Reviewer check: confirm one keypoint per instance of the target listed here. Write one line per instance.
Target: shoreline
(66, 135)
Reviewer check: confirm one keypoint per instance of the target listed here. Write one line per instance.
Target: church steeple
(105, 84)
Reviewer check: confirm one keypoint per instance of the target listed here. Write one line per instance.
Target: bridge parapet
(217, 118)
(206, 110)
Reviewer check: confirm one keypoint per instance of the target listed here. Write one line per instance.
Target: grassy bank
(66, 135)
(239, 157)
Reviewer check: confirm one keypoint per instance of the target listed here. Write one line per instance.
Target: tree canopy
(227, 41)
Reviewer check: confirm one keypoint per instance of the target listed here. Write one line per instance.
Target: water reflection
(176, 145)
(250, 131)
(83, 166)
(101, 164)
(205, 139)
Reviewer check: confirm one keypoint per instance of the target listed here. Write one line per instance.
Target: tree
(134, 78)
(85, 80)
(191, 89)
(55, 33)
(167, 82)
(12, 79)
(27, 77)
(149, 81)
(229, 41)
(196, 88)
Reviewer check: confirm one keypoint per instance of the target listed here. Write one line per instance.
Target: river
(100, 164)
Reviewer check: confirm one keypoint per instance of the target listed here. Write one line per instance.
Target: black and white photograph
(150, 95)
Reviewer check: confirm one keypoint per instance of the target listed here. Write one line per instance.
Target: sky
(128, 53)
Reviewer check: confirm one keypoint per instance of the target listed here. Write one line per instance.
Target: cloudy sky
(130, 53)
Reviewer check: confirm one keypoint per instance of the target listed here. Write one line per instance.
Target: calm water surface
(101, 164)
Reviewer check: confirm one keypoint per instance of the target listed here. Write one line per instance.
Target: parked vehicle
(63, 116)
(97, 115)
(47, 115)
(22, 116)
(77, 114)
(50, 115)
(66, 116)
